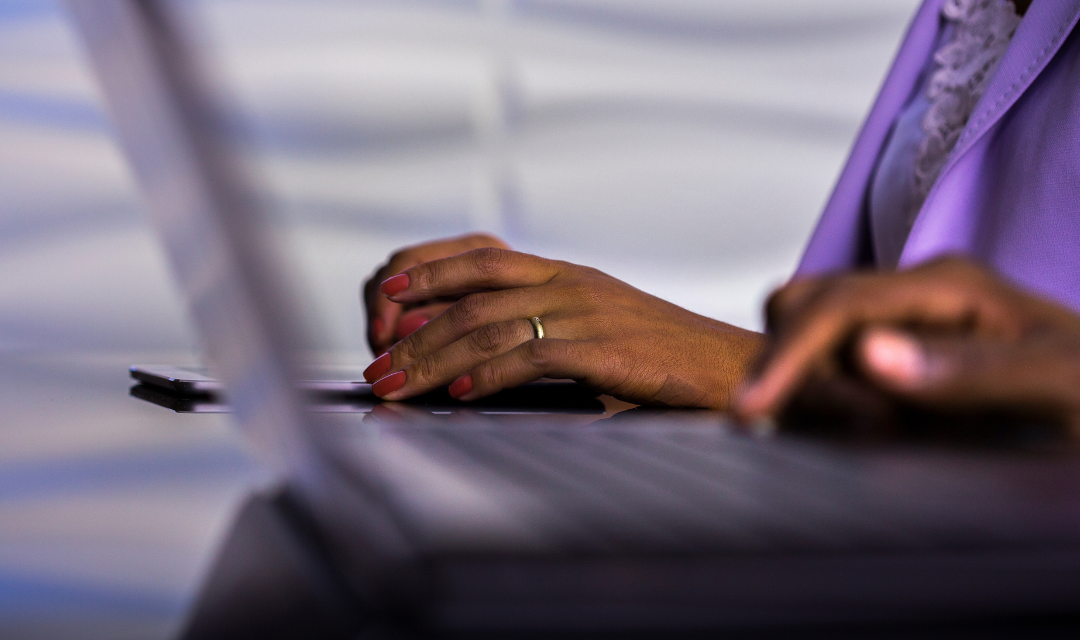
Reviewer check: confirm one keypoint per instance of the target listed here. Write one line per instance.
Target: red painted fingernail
(410, 324)
(395, 285)
(389, 384)
(377, 327)
(378, 368)
(461, 386)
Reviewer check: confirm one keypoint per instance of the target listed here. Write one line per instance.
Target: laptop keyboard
(680, 489)
(617, 487)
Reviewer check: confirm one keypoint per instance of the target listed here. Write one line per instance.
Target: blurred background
(685, 146)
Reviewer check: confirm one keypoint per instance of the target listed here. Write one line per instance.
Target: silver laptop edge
(211, 224)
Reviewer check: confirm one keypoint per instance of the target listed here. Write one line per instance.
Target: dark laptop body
(661, 524)
(406, 521)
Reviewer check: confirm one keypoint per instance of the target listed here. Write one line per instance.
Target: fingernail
(461, 386)
(378, 368)
(389, 384)
(897, 357)
(377, 327)
(395, 285)
(410, 324)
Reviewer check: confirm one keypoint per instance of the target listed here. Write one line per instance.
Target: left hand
(599, 331)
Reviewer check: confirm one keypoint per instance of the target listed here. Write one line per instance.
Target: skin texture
(600, 332)
(947, 336)
(389, 321)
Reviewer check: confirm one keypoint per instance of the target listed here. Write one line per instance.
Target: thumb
(965, 371)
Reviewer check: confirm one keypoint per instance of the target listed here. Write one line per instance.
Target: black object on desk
(546, 397)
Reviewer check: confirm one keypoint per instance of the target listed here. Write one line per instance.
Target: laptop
(403, 522)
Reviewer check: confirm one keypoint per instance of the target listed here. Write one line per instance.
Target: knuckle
(407, 350)
(489, 261)
(423, 276)
(424, 369)
(842, 300)
(490, 339)
(537, 353)
(961, 271)
(470, 310)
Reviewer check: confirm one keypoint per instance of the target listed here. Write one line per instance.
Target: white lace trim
(983, 29)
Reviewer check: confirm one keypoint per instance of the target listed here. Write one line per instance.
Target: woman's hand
(599, 331)
(947, 336)
(389, 321)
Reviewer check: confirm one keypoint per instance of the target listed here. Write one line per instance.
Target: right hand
(947, 336)
(389, 321)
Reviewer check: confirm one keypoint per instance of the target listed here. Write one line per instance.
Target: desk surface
(111, 508)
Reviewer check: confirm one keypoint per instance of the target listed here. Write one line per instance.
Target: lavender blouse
(971, 44)
(1008, 194)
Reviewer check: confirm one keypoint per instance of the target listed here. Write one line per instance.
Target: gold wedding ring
(538, 327)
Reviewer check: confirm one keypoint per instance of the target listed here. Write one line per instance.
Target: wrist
(735, 353)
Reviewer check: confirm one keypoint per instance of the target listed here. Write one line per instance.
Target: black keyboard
(617, 487)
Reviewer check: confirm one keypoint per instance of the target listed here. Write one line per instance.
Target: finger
(827, 321)
(968, 372)
(383, 313)
(440, 368)
(460, 319)
(467, 315)
(788, 299)
(534, 359)
(477, 270)
(809, 338)
(413, 319)
(410, 322)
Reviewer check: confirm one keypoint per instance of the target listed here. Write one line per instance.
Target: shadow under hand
(845, 407)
